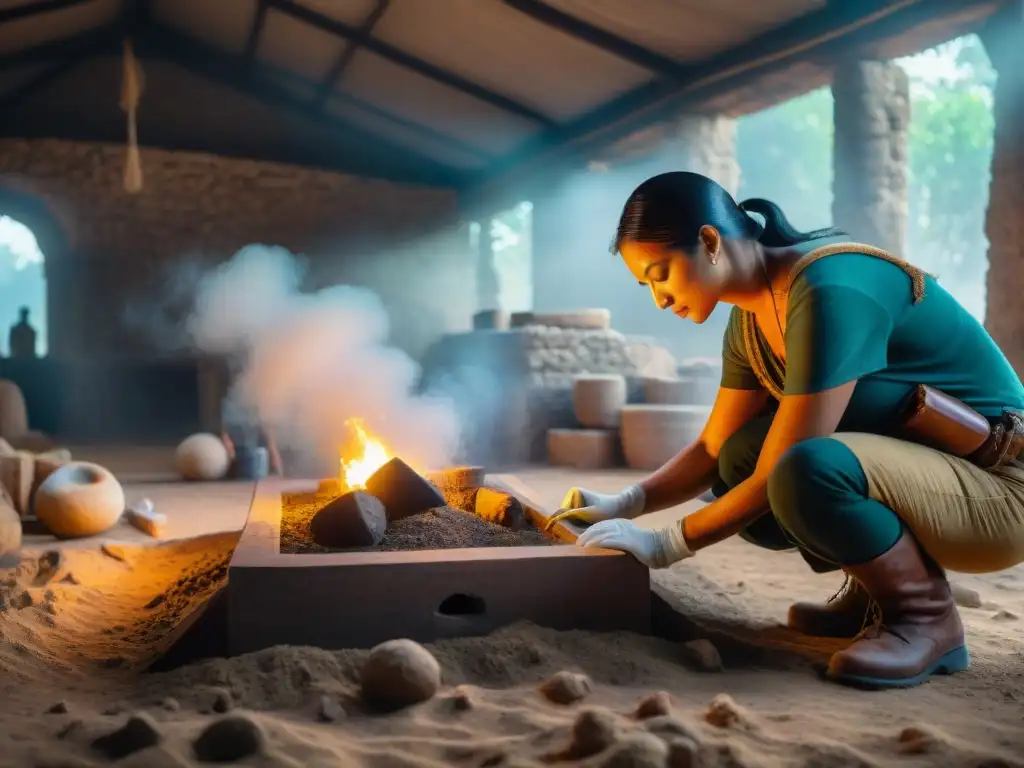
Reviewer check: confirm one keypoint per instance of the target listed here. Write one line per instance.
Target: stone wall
(869, 186)
(706, 144)
(114, 249)
(1004, 226)
(511, 387)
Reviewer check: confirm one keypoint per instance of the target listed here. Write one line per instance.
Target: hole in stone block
(462, 605)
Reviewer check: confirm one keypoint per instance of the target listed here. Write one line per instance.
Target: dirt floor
(77, 631)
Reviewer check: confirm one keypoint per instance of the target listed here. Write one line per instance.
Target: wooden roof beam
(36, 8)
(92, 41)
(410, 62)
(259, 23)
(245, 77)
(839, 29)
(339, 66)
(598, 37)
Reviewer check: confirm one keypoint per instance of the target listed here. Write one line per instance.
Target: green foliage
(785, 154)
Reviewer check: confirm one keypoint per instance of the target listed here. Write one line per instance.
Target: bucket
(251, 463)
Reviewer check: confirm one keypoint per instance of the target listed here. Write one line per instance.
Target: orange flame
(370, 455)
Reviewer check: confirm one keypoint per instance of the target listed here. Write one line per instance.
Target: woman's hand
(589, 507)
(655, 549)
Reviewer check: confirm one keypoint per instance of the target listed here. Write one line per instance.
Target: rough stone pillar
(707, 144)
(869, 184)
(1004, 223)
(487, 282)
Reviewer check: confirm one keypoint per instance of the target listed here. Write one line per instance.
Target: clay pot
(597, 400)
(653, 434)
(79, 499)
(660, 390)
(582, 448)
(202, 457)
(13, 414)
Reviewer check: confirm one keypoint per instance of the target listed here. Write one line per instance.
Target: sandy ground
(77, 631)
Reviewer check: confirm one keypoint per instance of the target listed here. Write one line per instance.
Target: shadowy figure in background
(22, 338)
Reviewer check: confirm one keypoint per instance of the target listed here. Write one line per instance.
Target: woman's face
(686, 284)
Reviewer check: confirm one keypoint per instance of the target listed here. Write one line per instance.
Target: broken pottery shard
(402, 491)
(356, 519)
(500, 508)
(146, 519)
(458, 485)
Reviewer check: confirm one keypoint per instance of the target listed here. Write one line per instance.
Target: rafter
(598, 37)
(259, 21)
(410, 62)
(835, 31)
(339, 67)
(62, 49)
(34, 9)
(250, 78)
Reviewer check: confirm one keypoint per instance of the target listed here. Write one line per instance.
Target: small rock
(462, 699)
(49, 565)
(964, 597)
(637, 750)
(115, 709)
(354, 519)
(60, 708)
(500, 508)
(920, 739)
(328, 709)
(402, 491)
(221, 702)
(399, 673)
(139, 733)
(156, 601)
(703, 655)
(1004, 615)
(668, 728)
(565, 687)
(683, 753)
(170, 704)
(228, 740)
(724, 712)
(594, 730)
(653, 705)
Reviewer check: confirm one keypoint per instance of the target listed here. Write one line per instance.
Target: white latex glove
(586, 506)
(655, 549)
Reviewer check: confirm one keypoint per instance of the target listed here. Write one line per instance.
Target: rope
(131, 93)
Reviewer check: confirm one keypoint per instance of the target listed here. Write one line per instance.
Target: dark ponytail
(670, 209)
(777, 232)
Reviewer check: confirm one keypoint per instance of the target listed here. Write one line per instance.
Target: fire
(370, 455)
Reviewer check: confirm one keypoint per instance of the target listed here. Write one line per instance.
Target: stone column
(707, 145)
(1004, 224)
(869, 184)
(487, 284)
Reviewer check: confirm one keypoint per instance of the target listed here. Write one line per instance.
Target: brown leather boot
(917, 631)
(842, 615)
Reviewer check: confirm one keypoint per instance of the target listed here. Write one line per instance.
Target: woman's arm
(800, 417)
(692, 471)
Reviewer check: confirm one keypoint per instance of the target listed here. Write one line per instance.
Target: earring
(714, 256)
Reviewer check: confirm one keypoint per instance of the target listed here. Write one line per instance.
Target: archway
(56, 301)
(22, 282)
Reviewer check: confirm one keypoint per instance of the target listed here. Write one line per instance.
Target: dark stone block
(402, 491)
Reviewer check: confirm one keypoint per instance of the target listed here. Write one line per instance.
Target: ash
(440, 528)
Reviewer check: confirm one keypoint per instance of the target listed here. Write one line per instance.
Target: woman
(824, 345)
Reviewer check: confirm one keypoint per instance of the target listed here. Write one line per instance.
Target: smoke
(305, 363)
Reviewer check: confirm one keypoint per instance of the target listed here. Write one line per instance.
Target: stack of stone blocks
(561, 388)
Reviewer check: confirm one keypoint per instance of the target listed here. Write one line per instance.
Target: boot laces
(849, 586)
(874, 626)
